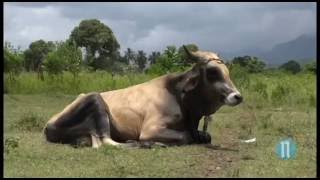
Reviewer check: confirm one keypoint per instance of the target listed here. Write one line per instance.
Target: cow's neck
(195, 106)
(192, 103)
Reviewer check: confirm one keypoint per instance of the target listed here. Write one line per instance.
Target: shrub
(67, 57)
(291, 66)
(13, 61)
(54, 64)
(251, 64)
(169, 61)
(311, 67)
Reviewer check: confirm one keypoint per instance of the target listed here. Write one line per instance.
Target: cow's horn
(190, 54)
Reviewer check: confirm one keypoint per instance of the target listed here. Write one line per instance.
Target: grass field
(276, 106)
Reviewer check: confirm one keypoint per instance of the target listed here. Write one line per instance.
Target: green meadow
(276, 105)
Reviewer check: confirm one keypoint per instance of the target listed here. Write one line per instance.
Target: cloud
(25, 25)
(158, 38)
(218, 26)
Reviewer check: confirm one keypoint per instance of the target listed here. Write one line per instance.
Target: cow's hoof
(203, 137)
(146, 145)
(95, 142)
(159, 144)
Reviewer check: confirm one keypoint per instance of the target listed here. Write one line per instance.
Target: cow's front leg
(200, 137)
(166, 136)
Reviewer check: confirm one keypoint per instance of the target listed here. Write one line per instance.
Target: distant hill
(302, 49)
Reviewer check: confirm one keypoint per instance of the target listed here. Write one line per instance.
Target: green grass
(34, 157)
(270, 89)
(28, 83)
(268, 113)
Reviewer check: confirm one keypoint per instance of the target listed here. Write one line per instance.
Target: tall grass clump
(66, 83)
(274, 88)
(240, 77)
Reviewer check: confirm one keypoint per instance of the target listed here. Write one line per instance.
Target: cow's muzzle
(233, 99)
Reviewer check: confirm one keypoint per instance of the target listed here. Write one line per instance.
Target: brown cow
(165, 110)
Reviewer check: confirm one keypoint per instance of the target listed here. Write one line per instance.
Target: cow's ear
(191, 81)
(190, 54)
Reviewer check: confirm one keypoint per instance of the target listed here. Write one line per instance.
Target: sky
(214, 26)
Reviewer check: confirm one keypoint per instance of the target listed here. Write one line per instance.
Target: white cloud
(153, 26)
(24, 25)
(158, 38)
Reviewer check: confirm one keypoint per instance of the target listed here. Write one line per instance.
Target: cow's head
(210, 78)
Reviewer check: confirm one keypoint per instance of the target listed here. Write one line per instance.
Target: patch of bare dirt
(221, 159)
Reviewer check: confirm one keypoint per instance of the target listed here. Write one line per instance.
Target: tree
(255, 65)
(73, 57)
(291, 66)
(172, 53)
(141, 60)
(312, 67)
(101, 62)
(36, 53)
(98, 40)
(54, 63)
(153, 57)
(169, 61)
(13, 61)
(129, 56)
(66, 57)
(252, 64)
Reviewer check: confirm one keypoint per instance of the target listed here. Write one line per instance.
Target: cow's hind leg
(87, 116)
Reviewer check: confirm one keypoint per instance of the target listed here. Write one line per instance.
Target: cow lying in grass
(165, 110)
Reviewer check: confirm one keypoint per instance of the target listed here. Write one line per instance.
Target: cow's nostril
(238, 97)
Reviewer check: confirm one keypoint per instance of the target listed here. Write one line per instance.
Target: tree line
(93, 46)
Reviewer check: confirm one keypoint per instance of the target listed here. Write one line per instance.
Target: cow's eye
(212, 73)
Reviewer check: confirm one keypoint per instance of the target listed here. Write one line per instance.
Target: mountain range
(302, 49)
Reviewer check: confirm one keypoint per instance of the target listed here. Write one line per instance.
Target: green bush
(54, 64)
(67, 57)
(311, 67)
(12, 61)
(169, 61)
(251, 64)
(291, 66)
(36, 54)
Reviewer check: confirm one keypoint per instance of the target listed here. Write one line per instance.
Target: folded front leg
(166, 136)
(200, 137)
